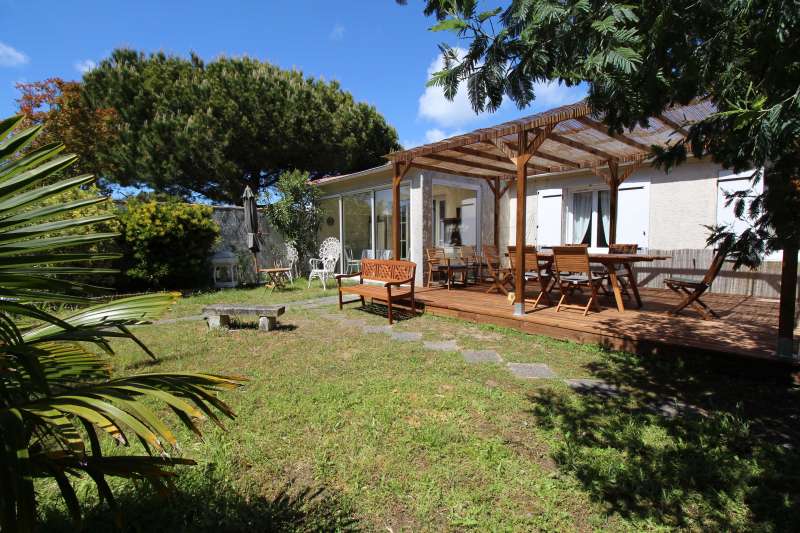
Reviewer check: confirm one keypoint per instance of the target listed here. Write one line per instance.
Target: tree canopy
(190, 127)
(638, 59)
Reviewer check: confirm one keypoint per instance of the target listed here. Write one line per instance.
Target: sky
(381, 52)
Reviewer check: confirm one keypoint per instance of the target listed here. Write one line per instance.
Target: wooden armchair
(691, 289)
(533, 271)
(501, 276)
(572, 270)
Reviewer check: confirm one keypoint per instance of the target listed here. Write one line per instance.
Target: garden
(121, 409)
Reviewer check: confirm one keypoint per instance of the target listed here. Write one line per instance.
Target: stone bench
(219, 315)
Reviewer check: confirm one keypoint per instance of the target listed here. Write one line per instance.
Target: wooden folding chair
(501, 276)
(533, 271)
(437, 262)
(625, 274)
(572, 270)
(691, 290)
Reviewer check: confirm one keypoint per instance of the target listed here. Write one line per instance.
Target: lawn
(339, 428)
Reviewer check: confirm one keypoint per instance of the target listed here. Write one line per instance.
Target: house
(568, 200)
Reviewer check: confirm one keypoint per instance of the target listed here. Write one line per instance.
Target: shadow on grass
(398, 314)
(727, 459)
(215, 508)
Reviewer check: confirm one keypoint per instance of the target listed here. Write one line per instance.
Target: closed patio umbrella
(251, 223)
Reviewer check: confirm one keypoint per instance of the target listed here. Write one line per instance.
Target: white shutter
(549, 217)
(633, 213)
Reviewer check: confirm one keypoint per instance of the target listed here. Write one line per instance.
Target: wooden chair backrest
(467, 252)
(434, 255)
(623, 248)
(387, 269)
(491, 255)
(528, 249)
(531, 261)
(572, 259)
(716, 264)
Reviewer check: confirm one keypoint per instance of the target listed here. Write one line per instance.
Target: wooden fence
(763, 282)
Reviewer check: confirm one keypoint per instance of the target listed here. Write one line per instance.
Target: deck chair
(533, 271)
(691, 290)
(572, 270)
(625, 274)
(501, 276)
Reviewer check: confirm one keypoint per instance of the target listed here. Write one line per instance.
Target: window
(455, 216)
(590, 220)
(357, 215)
(383, 222)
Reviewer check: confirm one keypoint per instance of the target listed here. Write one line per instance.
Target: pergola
(562, 139)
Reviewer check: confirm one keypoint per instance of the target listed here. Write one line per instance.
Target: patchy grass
(192, 304)
(402, 438)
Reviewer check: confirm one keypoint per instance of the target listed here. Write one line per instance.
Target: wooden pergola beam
(542, 120)
(461, 162)
(400, 171)
(674, 125)
(423, 166)
(583, 147)
(598, 126)
(481, 154)
(556, 159)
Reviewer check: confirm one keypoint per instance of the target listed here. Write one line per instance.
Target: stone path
(531, 370)
(481, 356)
(441, 346)
(406, 336)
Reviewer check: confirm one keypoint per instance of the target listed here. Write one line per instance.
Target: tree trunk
(788, 300)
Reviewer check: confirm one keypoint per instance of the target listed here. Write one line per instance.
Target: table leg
(634, 286)
(612, 273)
(267, 323)
(219, 321)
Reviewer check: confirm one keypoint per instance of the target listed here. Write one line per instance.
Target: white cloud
(85, 66)
(553, 94)
(11, 57)
(337, 33)
(435, 107)
(431, 136)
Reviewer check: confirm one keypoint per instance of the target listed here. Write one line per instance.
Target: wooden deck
(747, 327)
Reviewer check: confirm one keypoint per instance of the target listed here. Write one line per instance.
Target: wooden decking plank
(748, 327)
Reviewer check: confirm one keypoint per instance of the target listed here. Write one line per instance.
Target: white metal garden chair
(324, 267)
(291, 261)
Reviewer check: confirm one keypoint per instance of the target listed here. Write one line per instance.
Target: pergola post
(495, 186)
(521, 162)
(400, 170)
(613, 201)
(613, 178)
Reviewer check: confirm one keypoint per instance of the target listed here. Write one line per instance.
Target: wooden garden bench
(397, 279)
(219, 315)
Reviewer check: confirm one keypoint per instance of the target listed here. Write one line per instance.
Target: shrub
(166, 244)
(296, 213)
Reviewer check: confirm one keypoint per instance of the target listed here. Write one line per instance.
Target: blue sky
(379, 51)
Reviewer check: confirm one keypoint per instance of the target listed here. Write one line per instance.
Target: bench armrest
(340, 276)
(398, 283)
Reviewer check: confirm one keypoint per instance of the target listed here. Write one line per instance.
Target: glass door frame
(595, 217)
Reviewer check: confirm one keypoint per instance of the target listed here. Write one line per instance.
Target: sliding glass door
(589, 218)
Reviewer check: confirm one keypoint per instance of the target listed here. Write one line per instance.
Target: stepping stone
(353, 322)
(406, 336)
(441, 346)
(531, 370)
(593, 386)
(673, 408)
(481, 356)
(377, 329)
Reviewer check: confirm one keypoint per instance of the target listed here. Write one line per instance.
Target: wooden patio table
(610, 262)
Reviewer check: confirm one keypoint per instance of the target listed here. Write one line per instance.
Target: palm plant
(57, 394)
